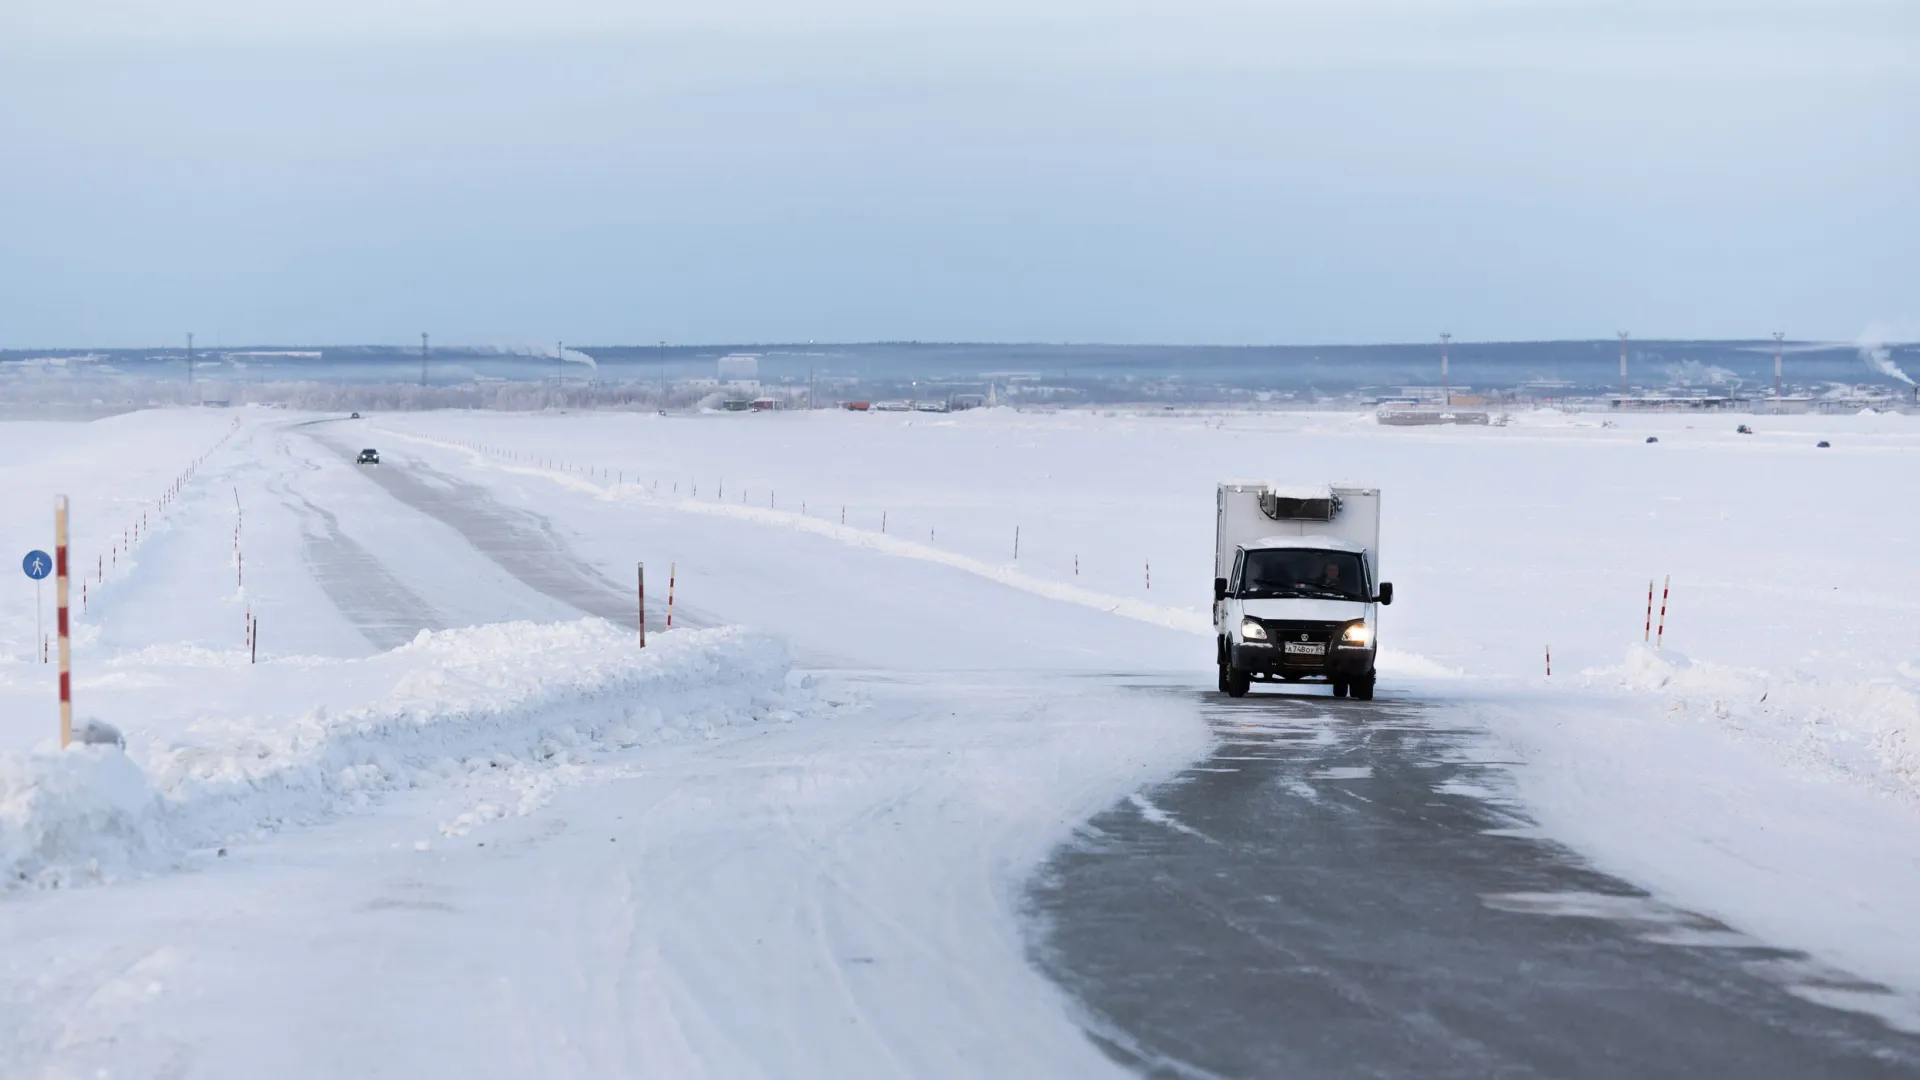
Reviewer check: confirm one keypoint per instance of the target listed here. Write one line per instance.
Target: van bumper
(1263, 658)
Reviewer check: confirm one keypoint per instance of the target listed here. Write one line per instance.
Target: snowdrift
(506, 712)
(1869, 731)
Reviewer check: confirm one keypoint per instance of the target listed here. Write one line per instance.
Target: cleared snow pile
(506, 712)
(1866, 730)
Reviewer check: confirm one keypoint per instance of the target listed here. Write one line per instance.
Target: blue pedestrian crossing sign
(37, 564)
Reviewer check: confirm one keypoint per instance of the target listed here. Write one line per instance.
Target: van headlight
(1358, 633)
(1251, 630)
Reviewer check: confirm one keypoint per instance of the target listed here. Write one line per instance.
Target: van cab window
(1301, 573)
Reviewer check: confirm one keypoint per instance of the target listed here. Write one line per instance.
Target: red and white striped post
(1661, 632)
(643, 605)
(1549, 661)
(1647, 634)
(672, 569)
(1149, 573)
(60, 602)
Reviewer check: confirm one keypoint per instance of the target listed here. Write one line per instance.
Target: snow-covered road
(825, 898)
(833, 895)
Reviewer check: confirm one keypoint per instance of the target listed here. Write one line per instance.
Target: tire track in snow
(377, 603)
(523, 544)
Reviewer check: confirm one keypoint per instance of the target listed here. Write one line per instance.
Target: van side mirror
(1386, 593)
(1219, 589)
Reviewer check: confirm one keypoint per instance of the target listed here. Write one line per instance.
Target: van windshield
(1301, 573)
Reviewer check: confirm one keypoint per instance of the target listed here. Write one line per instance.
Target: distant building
(1670, 402)
(740, 368)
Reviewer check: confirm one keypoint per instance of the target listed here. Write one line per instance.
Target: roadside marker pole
(1647, 634)
(1016, 543)
(39, 625)
(883, 521)
(1076, 564)
(1661, 633)
(1149, 573)
(253, 642)
(1549, 661)
(643, 605)
(60, 601)
(671, 568)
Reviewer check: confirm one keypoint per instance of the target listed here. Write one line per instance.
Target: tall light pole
(1446, 391)
(423, 360)
(189, 359)
(1778, 336)
(1623, 369)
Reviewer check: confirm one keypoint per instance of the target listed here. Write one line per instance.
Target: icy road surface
(1337, 891)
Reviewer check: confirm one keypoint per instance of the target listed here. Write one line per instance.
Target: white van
(1296, 585)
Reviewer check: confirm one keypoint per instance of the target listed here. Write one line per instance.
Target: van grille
(1284, 630)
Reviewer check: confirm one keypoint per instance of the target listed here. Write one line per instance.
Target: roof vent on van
(1296, 503)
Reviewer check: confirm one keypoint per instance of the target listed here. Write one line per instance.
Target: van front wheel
(1238, 681)
(1363, 690)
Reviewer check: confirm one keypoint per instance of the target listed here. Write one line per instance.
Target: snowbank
(1869, 731)
(507, 711)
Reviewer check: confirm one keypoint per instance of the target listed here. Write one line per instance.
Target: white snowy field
(799, 832)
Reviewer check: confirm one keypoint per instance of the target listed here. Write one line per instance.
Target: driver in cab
(1329, 578)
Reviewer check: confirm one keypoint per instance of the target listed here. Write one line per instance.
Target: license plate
(1306, 648)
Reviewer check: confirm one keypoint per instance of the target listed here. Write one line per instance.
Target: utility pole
(1778, 336)
(559, 361)
(1623, 369)
(423, 360)
(189, 359)
(1446, 392)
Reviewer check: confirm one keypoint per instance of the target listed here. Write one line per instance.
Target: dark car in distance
(368, 456)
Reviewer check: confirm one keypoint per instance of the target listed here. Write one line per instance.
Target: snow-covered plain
(799, 833)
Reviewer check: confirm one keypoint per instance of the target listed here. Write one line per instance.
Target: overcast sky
(736, 171)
